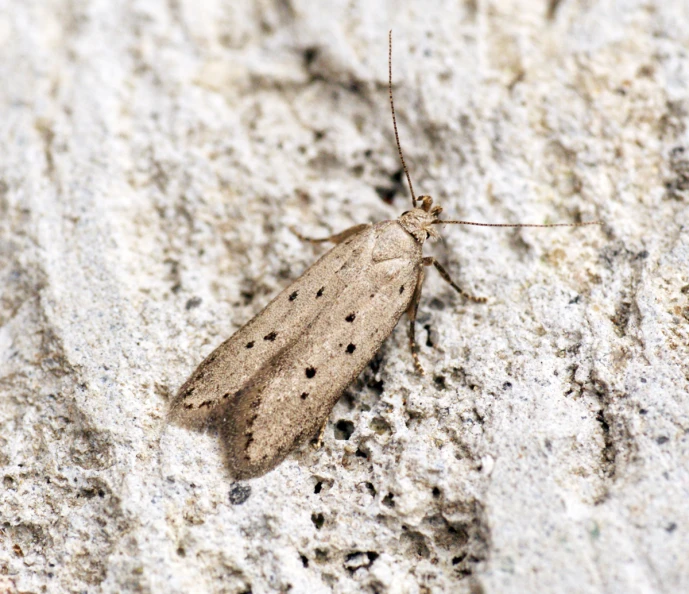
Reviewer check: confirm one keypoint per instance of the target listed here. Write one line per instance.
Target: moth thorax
(419, 223)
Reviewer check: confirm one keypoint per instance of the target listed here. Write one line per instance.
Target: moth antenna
(394, 120)
(439, 222)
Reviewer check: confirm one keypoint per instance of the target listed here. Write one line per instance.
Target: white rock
(152, 158)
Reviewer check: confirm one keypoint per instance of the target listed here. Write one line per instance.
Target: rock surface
(153, 156)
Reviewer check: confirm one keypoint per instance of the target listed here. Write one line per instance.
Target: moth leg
(431, 261)
(411, 314)
(317, 444)
(337, 238)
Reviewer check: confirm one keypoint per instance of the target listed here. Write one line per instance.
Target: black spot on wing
(351, 317)
(319, 293)
(270, 337)
(310, 372)
(350, 348)
(250, 344)
(293, 296)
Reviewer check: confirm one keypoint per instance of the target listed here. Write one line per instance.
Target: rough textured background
(153, 155)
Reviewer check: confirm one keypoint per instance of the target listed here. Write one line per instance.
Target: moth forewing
(249, 350)
(289, 398)
(289, 394)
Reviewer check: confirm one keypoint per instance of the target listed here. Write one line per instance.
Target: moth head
(419, 221)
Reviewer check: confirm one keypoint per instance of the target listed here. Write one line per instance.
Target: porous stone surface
(153, 157)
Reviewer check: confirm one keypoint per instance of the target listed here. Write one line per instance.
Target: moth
(271, 385)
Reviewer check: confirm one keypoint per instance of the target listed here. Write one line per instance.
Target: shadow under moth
(271, 385)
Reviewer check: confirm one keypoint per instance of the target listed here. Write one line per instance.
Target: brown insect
(272, 385)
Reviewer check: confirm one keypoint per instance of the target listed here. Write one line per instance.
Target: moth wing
(292, 397)
(283, 321)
